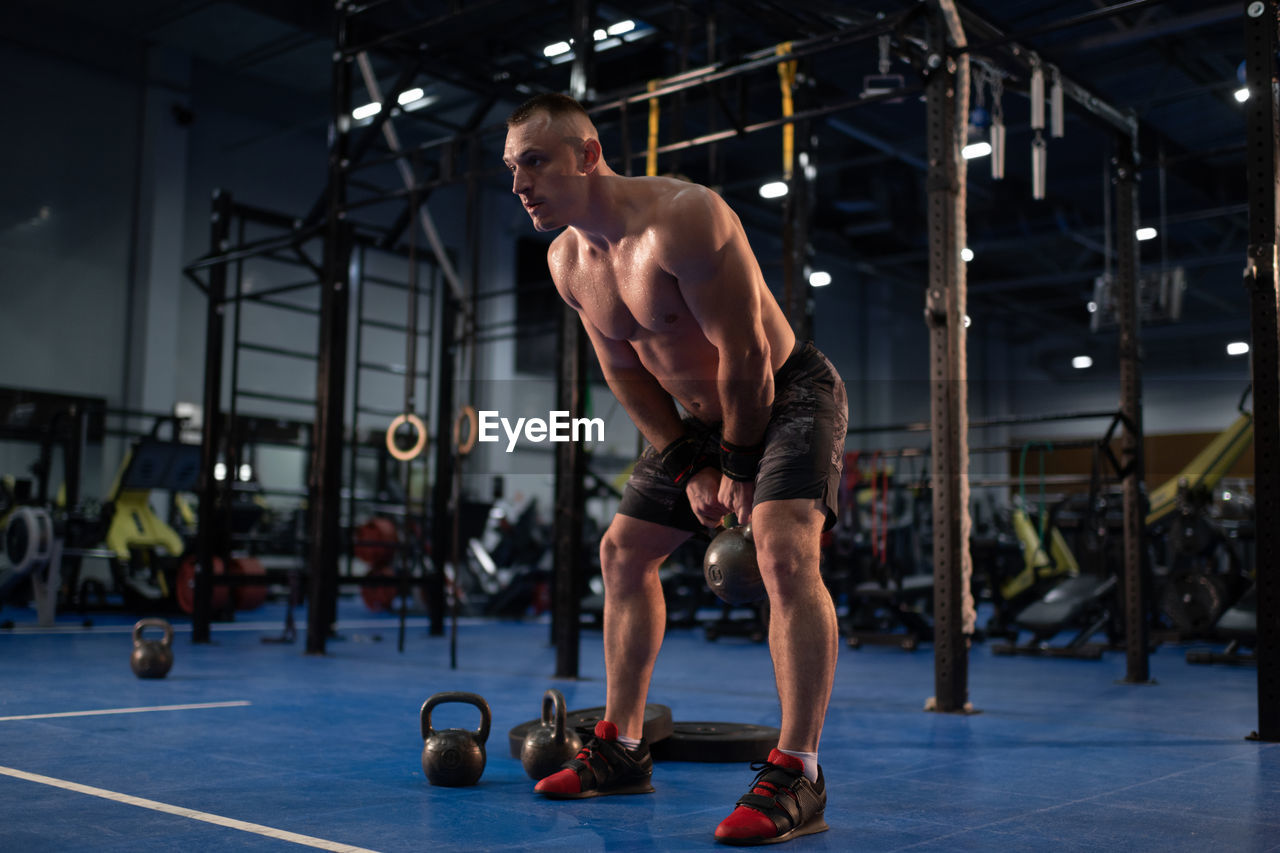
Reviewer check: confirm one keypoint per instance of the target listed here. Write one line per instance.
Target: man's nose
(519, 182)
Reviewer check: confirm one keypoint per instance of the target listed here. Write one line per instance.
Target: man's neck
(605, 223)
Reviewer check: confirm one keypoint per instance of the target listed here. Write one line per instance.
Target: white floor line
(239, 703)
(219, 820)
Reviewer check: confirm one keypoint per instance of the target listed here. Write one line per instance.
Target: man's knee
(787, 536)
(632, 547)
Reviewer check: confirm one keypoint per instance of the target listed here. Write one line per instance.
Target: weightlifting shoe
(601, 768)
(782, 804)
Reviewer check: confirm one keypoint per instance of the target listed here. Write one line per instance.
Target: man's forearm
(745, 383)
(648, 404)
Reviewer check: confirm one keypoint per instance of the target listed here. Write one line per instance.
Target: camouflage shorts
(803, 452)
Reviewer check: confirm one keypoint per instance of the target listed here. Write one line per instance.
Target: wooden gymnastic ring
(414, 421)
(466, 413)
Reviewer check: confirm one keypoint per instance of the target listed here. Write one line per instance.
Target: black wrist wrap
(738, 462)
(682, 459)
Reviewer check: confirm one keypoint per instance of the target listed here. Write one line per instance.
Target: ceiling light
(1242, 95)
(1237, 348)
(819, 278)
(1092, 306)
(967, 321)
(556, 49)
(219, 471)
(1080, 362)
(1147, 233)
(366, 111)
(773, 189)
(966, 254)
(975, 150)
(600, 35)
(621, 27)
(246, 472)
(408, 96)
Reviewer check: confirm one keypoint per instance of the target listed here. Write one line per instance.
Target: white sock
(809, 759)
(631, 743)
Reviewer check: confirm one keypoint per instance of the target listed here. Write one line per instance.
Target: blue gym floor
(327, 749)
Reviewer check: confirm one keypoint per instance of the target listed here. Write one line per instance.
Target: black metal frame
(1262, 279)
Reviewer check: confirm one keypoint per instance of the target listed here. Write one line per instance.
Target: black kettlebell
(550, 745)
(152, 658)
(454, 758)
(730, 565)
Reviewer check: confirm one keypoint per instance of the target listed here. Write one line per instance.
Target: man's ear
(591, 154)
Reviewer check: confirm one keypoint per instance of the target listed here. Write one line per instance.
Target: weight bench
(1079, 602)
(900, 603)
(1238, 625)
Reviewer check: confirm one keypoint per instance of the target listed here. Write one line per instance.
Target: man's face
(545, 171)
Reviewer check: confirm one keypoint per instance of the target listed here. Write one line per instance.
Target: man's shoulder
(563, 249)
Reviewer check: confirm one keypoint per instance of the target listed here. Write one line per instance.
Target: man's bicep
(724, 299)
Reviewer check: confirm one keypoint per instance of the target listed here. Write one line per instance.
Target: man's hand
(703, 492)
(736, 497)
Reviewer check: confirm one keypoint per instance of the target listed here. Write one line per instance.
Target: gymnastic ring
(399, 421)
(466, 413)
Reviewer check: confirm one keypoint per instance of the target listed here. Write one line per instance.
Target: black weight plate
(728, 742)
(657, 725)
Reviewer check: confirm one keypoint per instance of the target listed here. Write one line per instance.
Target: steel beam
(325, 486)
(1137, 598)
(208, 518)
(1262, 278)
(946, 93)
(571, 462)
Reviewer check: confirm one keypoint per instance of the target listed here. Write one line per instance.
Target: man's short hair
(552, 103)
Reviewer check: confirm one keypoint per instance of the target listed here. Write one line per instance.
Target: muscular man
(673, 300)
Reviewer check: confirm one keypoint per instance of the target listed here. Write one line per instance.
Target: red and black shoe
(783, 804)
(601, 768)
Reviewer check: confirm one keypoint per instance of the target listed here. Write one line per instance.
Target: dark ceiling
(1173, 63)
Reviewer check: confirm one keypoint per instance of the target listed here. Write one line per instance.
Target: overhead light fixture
(966, 254)
(219, 471)
(246, 472)
(1080, 362)
(621, 27)
(819, 278)
(1092, 306)
(773, 189)
(556, 49)
(974, 150)
(408, 96)
(967, 321)
(1237, 348)
(366, 111)
(1241, 95)
(1144, 234)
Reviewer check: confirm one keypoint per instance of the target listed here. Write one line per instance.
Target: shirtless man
(670, 294)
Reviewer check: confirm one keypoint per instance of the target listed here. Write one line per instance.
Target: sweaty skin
(667, 288)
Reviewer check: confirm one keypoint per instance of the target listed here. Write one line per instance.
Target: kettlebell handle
(553, 711)
(730, 521)
(153, 623)
(481, 734)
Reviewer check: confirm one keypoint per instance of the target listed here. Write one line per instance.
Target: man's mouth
(529, 206)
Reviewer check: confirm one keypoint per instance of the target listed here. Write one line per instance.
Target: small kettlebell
(548, 746)
(152, 658)
(730, 565)
(454, 758)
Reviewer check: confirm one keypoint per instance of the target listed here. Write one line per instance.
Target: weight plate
(185, 587)
(717, 742)
(657, 725)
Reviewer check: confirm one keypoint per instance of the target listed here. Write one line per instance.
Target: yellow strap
(1207, 468)
(651, 160)
(787, 80)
